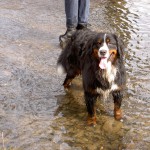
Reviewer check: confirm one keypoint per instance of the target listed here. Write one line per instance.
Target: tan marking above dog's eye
(108, 40)
(99, 41)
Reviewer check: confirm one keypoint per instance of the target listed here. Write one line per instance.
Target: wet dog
(98, 57)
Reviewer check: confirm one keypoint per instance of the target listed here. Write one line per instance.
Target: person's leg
(83, 13)
(71, 10)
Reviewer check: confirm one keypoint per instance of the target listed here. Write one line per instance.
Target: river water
(36, 112)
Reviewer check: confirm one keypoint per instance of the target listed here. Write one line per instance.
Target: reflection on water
(35, 111)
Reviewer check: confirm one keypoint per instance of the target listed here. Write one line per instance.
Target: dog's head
(106, 48)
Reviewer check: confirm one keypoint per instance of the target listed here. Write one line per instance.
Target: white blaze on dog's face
(103, 54)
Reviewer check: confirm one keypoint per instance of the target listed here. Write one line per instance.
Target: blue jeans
(77, 12)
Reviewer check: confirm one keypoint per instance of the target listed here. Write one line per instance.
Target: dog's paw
(91, 121)
(118, 114)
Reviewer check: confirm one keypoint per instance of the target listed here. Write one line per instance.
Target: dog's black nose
(103, 52)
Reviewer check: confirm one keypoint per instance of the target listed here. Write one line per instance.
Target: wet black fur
(77, 56)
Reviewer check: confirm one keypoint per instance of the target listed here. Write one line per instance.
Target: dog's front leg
(118, 96)
(90, 100)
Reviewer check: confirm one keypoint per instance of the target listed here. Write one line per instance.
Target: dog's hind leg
(70, 76)
(68, 80)
(118, 96)
(90, 100)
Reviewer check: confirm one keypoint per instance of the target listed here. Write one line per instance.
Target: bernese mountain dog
(98, 57)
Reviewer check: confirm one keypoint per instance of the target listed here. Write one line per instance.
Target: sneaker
(81, 26)
(63, 39)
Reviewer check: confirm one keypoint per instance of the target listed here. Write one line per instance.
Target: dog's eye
(111, 43)
(99, 43)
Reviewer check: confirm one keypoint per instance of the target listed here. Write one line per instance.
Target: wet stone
(112, 126)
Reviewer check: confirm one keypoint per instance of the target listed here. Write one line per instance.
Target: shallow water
(36, 112)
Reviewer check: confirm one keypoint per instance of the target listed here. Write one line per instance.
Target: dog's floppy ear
(120, 46)
(89, 47)
(86, 48)
(82, 49)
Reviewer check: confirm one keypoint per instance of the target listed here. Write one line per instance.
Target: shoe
(83, 26)
(63, 39)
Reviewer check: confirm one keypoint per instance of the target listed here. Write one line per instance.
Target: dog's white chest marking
(105, 93)
(109, 74)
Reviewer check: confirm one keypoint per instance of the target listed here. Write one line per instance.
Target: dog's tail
(65, 60)
(60, 69)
